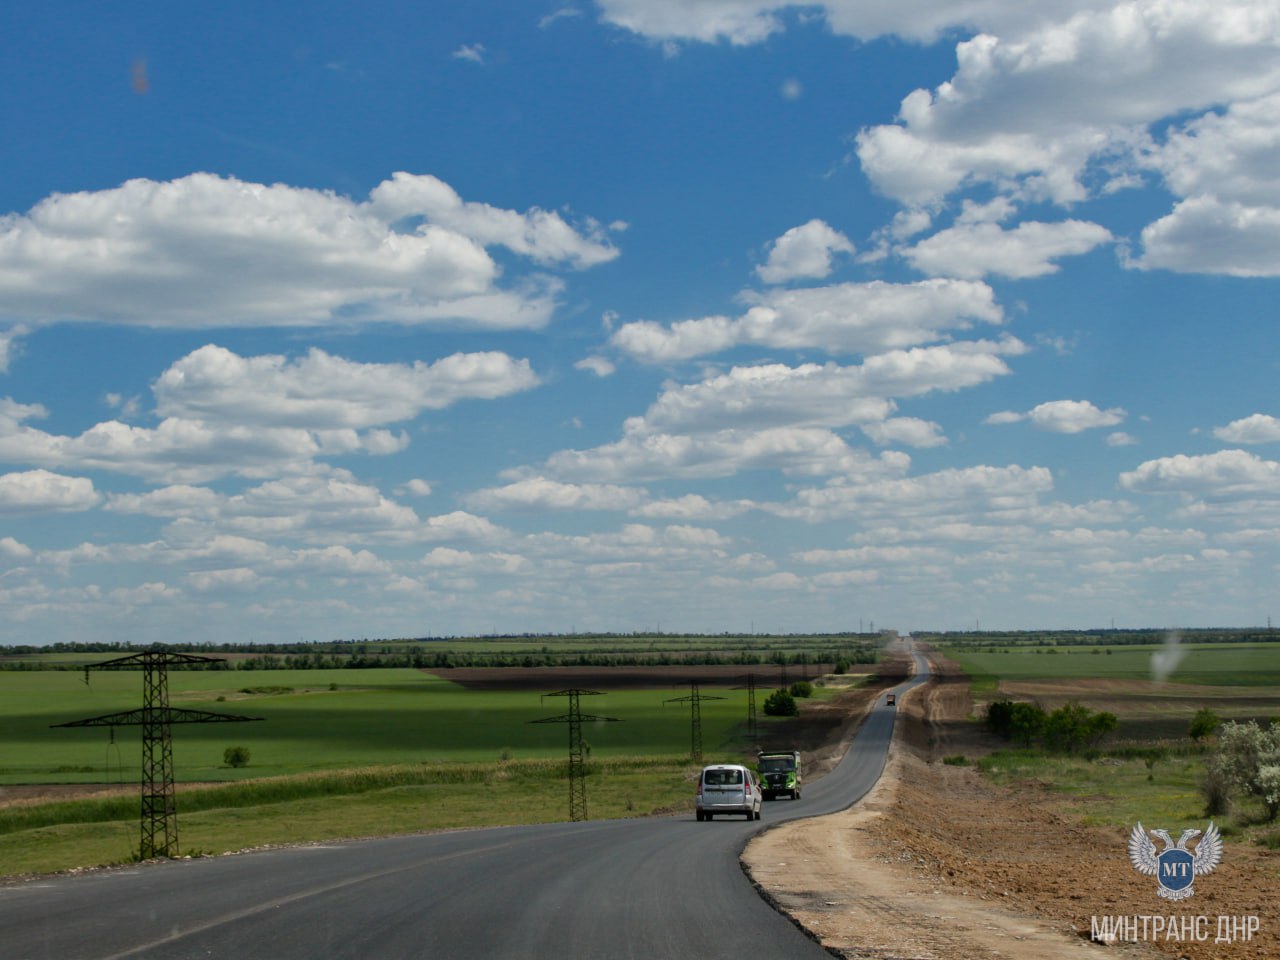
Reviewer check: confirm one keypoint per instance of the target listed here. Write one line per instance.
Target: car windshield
(777, 765)
(718, 778)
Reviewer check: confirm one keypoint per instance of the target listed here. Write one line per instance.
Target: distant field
(1211, 664)
(1236, 680)
(330, 719)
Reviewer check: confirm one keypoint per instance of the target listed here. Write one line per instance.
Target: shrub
(1215, 788)
(1069, 729)
(236, 756)
(841, 667)
(1026, 721)
(780, 703)
(1203, 724)
(1248, 757)
(959, 760)
(802, 689)
(1073, 727)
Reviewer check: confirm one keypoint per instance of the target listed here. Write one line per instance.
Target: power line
(577, 758)
(753, 724)
(695, 717)
(159, 816)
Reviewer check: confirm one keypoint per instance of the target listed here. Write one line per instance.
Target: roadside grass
(1108, 790)
(375, 801)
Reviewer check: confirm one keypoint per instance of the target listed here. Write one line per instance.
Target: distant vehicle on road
(728, 788)
(780, 773)
(891, 699)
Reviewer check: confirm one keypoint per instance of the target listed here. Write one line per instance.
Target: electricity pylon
(159, 819)
(753, 724)
(695, 717)
(577, 765)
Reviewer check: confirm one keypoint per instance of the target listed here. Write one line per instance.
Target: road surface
(669, 888)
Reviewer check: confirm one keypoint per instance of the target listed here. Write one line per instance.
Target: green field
(1210, 664)
(329, 719)
(340, 753)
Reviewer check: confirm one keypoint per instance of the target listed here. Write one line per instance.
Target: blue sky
(328, 321)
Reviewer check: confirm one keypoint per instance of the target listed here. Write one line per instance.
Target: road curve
(668, 888)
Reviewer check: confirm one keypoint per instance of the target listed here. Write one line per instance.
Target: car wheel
(757, 814)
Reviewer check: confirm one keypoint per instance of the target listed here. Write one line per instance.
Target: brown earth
(938, 864)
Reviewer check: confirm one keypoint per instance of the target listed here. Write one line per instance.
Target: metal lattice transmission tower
(577, 752)
(695, 717)
(159, 818)
(753, 723)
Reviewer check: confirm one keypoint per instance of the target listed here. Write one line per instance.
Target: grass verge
(374, 801)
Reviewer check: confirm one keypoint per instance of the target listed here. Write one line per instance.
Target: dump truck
(780, 773)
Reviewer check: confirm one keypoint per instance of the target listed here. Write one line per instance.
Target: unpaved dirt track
(937, 864)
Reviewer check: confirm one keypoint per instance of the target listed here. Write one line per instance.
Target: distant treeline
(256, 657)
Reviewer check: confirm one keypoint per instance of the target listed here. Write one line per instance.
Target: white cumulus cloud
(1258, 428)
(803, 252)
(159, 254)
(1062, 416)
(323, 391)
(975, 250)
(39, 491)
(838, 319)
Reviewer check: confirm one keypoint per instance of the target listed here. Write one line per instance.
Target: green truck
(780, 773)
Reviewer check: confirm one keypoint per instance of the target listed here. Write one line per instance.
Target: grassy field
(328, 719)
(374, 801)
(1210, 664)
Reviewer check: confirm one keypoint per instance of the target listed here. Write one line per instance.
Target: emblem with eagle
(1175, 867)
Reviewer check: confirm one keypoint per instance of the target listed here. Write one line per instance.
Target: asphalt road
(669, 888)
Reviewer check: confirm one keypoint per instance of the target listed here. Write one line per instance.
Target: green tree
(802, 689)
(1026, 722)
(780, 703)
(236, 756)
(1203, 724)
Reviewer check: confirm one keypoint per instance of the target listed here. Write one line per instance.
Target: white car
(729, 788)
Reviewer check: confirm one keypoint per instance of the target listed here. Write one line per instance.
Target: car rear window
(722, 777)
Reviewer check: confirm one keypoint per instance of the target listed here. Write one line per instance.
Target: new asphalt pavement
(644, 889)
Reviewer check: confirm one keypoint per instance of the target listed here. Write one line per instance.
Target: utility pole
(577, 765)
(159, 819)
(753, 725)
(695, 718)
